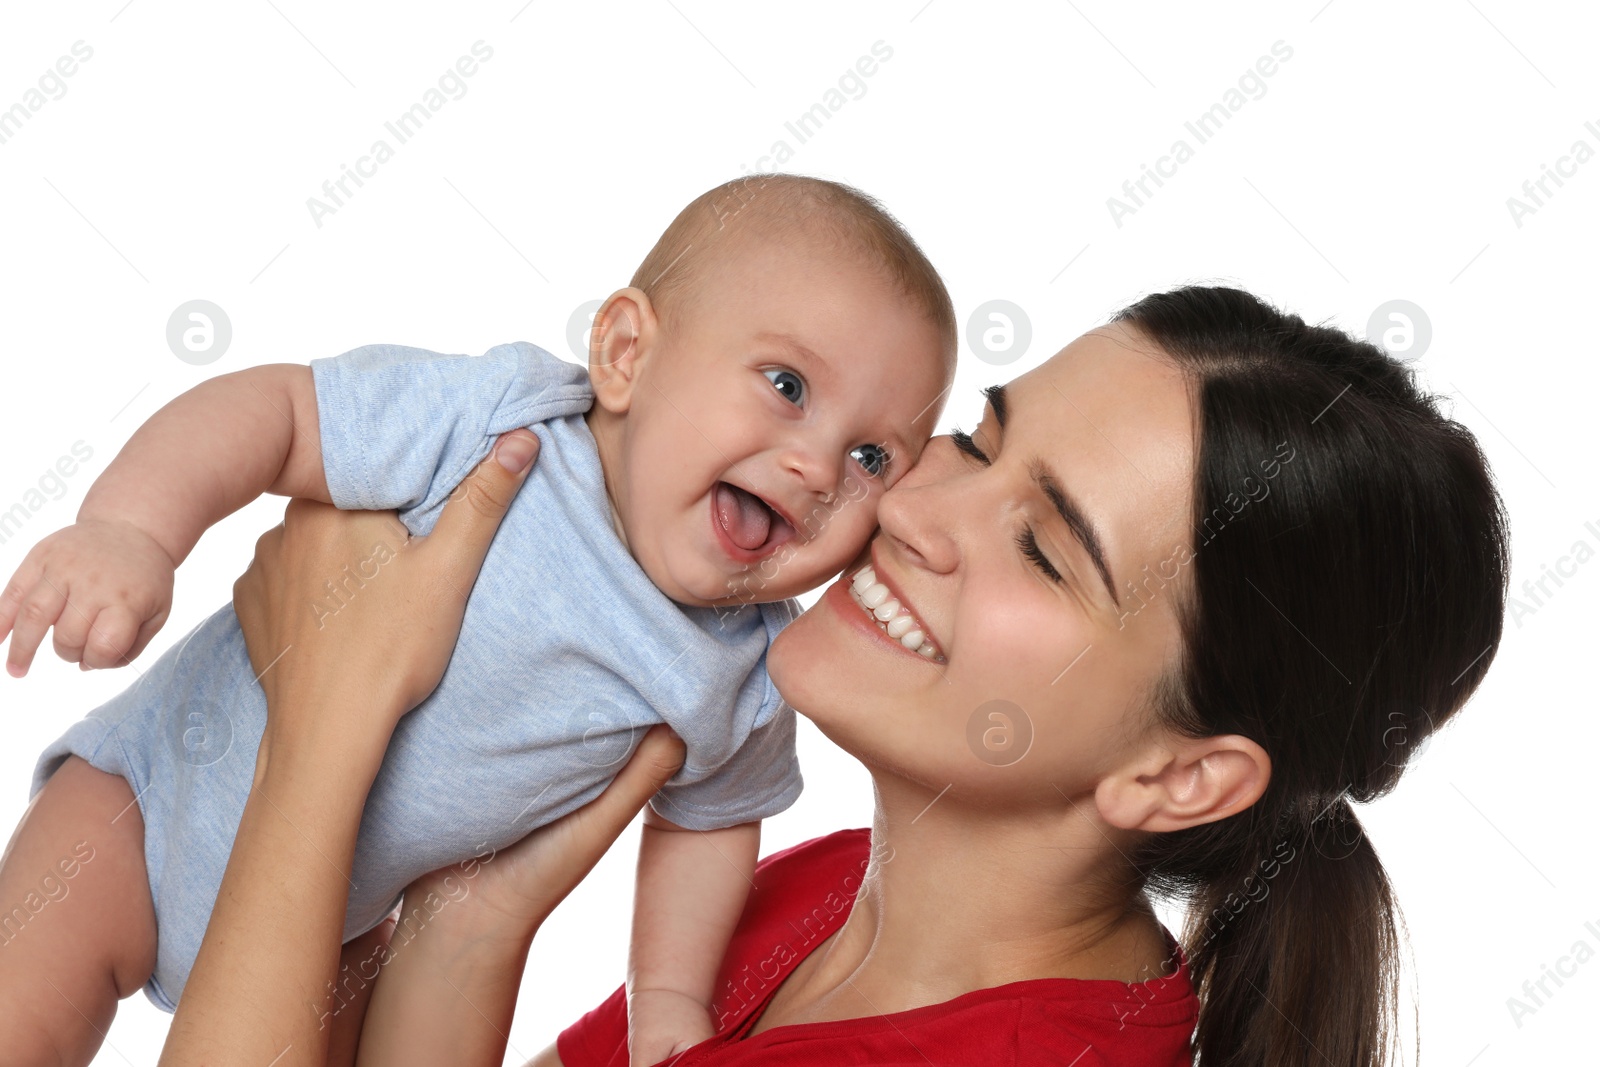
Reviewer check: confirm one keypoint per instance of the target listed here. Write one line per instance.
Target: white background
(1376, 166)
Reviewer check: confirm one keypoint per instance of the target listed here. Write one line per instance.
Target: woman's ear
(625, 329)
(1187, 782)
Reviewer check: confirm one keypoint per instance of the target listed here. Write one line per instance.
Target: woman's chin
(822, 670)
(805, 661)
(786, 660)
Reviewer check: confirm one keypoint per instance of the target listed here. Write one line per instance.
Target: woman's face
(1045, 668)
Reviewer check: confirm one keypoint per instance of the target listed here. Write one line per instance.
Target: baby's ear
(625, 328)
(1181, 782)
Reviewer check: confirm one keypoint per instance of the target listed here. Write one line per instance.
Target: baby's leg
(77, 926)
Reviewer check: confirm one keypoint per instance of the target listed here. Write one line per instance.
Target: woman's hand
(338, 674)
(350, 623)
(515, 889)
(448, 987)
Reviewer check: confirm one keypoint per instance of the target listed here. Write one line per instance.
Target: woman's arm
(274, 936)
(334, 694)
(447, 995)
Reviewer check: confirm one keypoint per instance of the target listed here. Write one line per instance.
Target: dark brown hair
(1336, 618)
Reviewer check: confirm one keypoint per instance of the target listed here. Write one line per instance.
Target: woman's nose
(923, 510)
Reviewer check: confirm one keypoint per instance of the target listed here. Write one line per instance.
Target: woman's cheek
(1021, 641)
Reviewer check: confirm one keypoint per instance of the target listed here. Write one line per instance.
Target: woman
(1200, 580)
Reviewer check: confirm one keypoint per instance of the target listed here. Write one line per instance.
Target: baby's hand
(106, 587)
(663, 1024)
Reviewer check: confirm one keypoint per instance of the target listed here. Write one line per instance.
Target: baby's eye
(873, 458)
(790, 384)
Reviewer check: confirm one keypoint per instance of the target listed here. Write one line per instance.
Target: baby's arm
(691, 888)
(105, 583)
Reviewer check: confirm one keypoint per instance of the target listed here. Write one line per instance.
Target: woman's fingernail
(515, 453)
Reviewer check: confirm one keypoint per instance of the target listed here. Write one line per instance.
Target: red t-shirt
(802, 895)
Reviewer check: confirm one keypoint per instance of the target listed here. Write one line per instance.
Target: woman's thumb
(515, 451)
(473, 513)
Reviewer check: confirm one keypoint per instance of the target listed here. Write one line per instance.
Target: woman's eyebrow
(1076, 519)
(1071, 512)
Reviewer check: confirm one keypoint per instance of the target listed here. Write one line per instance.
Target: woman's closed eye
(1030, 548)
(1026, 539)
(964, 442)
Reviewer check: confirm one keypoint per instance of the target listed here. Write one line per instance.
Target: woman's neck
(955, 900)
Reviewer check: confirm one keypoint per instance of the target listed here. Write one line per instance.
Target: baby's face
(764, 426)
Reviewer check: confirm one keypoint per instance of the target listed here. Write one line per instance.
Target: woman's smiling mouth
(891, 615)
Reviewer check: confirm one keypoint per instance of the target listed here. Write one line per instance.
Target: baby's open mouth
(750, 522)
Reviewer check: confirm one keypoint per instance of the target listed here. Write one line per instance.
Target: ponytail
(1295, 955)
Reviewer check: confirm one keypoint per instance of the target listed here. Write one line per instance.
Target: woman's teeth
(892, 619)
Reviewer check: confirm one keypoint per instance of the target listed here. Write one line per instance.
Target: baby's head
(780, 359)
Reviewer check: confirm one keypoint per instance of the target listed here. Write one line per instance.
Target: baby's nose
(817, 471)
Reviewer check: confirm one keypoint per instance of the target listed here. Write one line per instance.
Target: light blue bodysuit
(568, 653)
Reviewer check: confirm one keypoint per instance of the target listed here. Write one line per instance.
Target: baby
(778, 360)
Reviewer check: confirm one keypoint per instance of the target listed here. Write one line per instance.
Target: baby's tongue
(746, 519)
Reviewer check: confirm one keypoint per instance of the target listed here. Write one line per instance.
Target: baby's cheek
(861, 519)
(802, 571)
(855, 489)
(854, 528)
